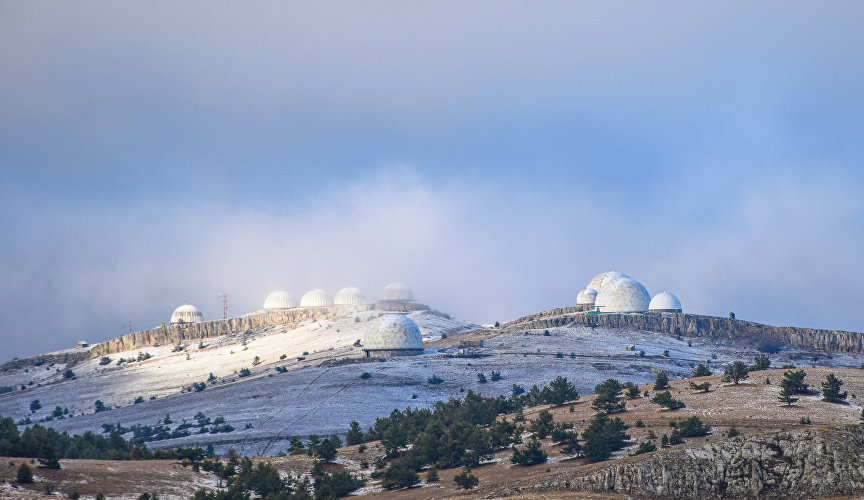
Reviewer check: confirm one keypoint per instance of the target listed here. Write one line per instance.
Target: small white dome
(397, 292)
(187, 313)
(349, 296)
(586, 297)
(601, 279)
(393, 331)
(279, 299)
(622, 295)
(316, 298)
(666, 302)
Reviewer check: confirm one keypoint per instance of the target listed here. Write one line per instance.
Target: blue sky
(492, 156)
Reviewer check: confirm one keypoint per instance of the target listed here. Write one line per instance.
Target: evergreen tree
(760, 362)
(786, 394)
(542, 425)
(704, 386)
(432, 475)
(400, 475)
(326, 451)
(664, 441)
(606, 397)
(735, 372)
(701, 371)
(665, 400)
(632, 391)
(831, 389)
(661, 382)
(794, 380)
(559, 391)
(354, 434)
(532, 454)
(603, 436)
(25, 473)
(466, 480)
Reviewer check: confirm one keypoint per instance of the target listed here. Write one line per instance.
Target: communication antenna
(224, 296)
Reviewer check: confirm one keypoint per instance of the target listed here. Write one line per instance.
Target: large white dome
(665, 302)
(187, 313)
(316, 298)
(279, 299)
(601, 279)
(586, 297)
(349, 296)
(622, 295)
(393, 331)
(397, 292)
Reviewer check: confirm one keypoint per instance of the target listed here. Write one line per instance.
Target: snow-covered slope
(324, 391)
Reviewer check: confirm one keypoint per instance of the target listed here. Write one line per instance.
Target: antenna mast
(224, 296)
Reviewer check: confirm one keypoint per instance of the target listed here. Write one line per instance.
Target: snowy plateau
(320, 386)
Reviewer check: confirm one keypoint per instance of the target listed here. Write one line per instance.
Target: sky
(494, 156)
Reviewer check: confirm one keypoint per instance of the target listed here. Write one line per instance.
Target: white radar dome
(665, 302)
(187, 313)
(279, 299)
(397, 292)
(316, 298)
(393, 331)
(622, 295)
(601, 279)
(349, 296)
(586, 297)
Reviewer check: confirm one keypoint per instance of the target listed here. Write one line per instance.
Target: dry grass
(752, 407)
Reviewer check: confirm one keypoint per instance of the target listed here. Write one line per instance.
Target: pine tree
(831, 389)
(736, 372)
(606, 397)
(354, 434)
(701, 371)
(25, 473)
(542, 425)
(432, 475)
(662, 381)
(786, 393)
(466, 480)
(532, 454)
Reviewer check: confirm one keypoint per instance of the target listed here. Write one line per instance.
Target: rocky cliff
(195, 331)
(694, 325)
(808, 463)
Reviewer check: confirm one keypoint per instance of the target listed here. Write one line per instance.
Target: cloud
(783, 253)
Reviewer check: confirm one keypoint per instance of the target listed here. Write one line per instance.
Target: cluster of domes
(614, 292)
(395, 297)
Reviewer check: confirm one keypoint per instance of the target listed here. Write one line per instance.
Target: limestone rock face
(808, 463)
(695, 325)
(194, 331)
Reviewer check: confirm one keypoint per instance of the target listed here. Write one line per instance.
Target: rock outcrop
(808, 463)
(695, 325)
(171, 334)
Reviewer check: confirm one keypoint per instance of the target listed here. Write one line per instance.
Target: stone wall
(694, 325)
(809, 463)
